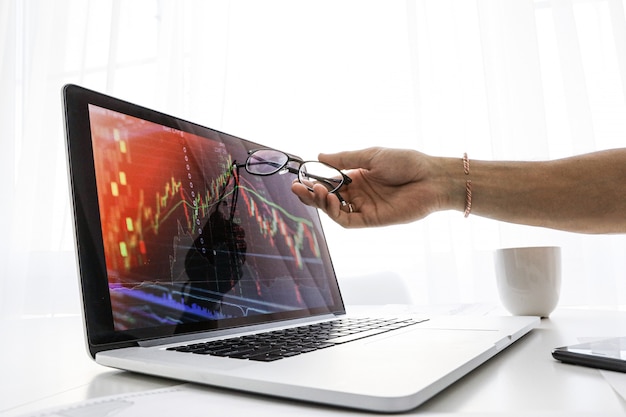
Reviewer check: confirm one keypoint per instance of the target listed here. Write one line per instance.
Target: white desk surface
(43, 364)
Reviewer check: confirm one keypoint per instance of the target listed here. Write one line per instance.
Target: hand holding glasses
(269, 161)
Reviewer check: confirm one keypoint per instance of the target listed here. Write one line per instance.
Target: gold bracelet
(468, 197)
(465, 164)
(468, 186)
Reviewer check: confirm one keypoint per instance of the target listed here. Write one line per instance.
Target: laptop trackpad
(423, 339)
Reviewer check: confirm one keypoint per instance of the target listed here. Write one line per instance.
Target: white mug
(529, 279)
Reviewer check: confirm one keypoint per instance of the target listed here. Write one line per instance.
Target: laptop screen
(188, 239)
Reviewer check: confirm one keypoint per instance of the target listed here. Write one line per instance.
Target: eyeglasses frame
(292, 158)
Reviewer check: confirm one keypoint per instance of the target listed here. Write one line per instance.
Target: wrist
(451, 184)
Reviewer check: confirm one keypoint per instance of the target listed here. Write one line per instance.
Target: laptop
(195, 270)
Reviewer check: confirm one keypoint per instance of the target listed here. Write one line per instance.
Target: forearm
(584, 194)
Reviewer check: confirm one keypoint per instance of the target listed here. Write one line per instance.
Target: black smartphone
(607, 354)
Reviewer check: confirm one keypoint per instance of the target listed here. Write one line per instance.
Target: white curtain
(499, 79)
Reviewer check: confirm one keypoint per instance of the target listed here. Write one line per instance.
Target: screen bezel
(93, 276)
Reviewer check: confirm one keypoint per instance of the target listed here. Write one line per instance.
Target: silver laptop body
(178, 249)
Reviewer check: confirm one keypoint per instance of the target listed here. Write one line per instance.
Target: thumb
(350, 159)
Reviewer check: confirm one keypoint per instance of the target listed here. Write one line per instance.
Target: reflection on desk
(46, 365)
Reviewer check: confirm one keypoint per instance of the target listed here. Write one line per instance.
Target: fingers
(304, 194)
(323, 200)
(319, 197)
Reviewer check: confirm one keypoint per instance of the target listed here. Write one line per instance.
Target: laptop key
(355, 336)
(272, 356)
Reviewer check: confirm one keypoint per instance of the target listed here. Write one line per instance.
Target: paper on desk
(617, 380)
(190, 400)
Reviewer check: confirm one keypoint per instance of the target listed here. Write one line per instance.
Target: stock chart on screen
(189, 236)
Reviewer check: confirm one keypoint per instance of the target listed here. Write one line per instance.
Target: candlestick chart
(190, 236)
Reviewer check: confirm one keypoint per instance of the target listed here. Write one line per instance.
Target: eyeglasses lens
(314, 172)
(266, 162)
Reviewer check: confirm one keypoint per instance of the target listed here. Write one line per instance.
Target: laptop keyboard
(279, 344)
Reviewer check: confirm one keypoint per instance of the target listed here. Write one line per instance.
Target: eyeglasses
(269, 161)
